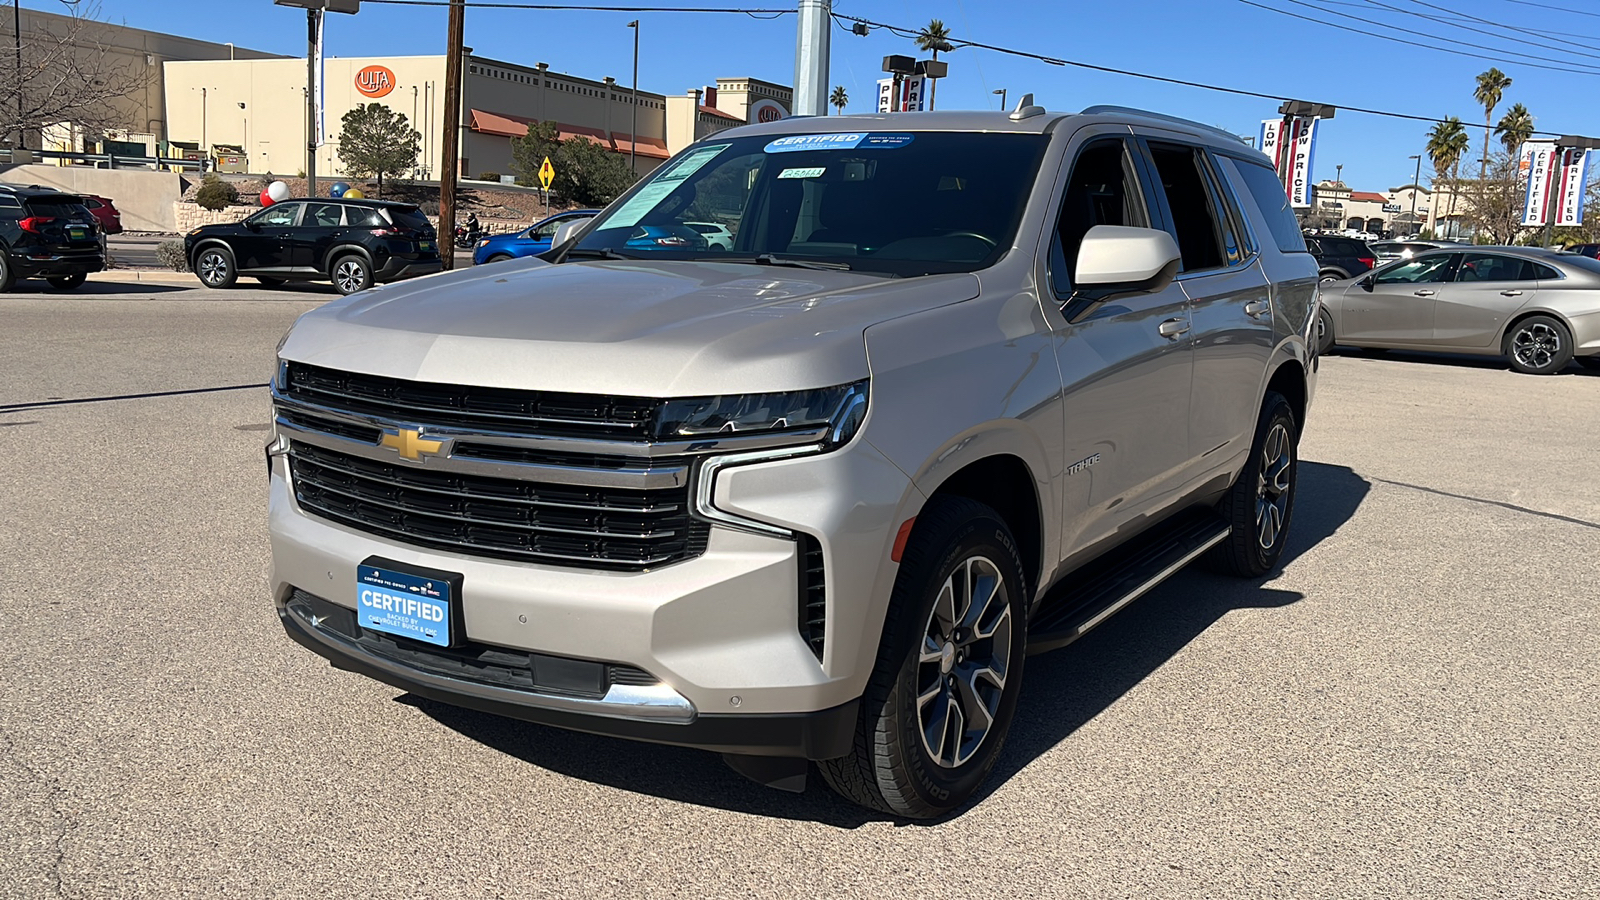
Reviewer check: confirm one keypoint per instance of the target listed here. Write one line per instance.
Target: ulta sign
(375, 81)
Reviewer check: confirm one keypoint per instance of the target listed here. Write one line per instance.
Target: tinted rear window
(1337, 246)
(409, 217)
(56, 207)
(1273, 200)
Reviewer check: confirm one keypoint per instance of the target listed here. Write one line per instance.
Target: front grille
(813, 595)
(531, 413)
(623, 529)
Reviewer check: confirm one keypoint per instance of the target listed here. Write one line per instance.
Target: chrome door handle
(1511, 293)
(1423, 293)
(1255, 309)
(1172, 328)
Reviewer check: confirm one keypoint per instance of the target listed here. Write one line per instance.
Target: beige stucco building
(259, 105)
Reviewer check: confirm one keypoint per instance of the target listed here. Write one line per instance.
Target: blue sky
(1223, 42)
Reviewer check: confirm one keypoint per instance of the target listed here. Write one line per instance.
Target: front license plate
(77, 233)
(399, 603)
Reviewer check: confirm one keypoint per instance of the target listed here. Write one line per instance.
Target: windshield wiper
(597, 253)
(773, 259)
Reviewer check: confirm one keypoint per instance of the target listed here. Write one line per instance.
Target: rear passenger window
(1273, 201)
(1489, 267)
(1196, 225)
(1543, 272)
(1102, 190)
(322, 215)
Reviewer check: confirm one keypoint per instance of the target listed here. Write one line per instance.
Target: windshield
(899, 203)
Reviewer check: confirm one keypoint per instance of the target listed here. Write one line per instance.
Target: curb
(147, 276)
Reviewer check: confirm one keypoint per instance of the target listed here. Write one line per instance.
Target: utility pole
(313, 38)
(16, 23)
(449, 150)
(811, 57)
(633, 128)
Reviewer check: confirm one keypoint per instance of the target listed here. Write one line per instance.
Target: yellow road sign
(547, 173)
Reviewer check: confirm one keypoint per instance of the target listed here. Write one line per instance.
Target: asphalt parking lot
(1409, 709)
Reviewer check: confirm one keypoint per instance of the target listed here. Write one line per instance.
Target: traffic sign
(547, 173)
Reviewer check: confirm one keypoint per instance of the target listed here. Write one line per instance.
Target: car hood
(618, 327)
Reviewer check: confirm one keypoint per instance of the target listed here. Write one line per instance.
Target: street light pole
(245, 117)
(633, 128)
(1002, 93)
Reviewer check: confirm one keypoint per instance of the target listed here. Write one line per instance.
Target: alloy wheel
(213, 268)
(963, 662)
(1272, 486)
(1536, 346)
(349, 275)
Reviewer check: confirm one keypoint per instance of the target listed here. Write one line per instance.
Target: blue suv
(530, 241)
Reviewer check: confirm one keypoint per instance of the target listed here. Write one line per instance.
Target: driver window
(1102, 190)
(1426, 270)
(280, 215)
(547, 230)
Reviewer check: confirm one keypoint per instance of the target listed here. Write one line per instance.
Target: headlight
(483, 242)
(836, 411)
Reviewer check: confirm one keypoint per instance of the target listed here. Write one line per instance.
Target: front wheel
(351, 273)
(1538, 345)
(215, 267)
(944, 690)
(1260, 504)
(498, 257)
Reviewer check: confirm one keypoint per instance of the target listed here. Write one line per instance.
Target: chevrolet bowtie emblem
(411, 444)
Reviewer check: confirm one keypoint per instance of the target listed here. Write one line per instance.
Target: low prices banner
(1271, 142)
(885, 95)
(1538, 162)
(1574, 180)
(1292, 147)
(916, 93)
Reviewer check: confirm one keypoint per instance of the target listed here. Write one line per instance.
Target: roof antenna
(1025, 109)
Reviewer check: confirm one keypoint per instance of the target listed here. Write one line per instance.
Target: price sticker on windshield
(806, 172)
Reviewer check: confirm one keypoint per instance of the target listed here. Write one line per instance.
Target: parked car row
(47, 233)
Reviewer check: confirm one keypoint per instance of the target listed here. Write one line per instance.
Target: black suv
(47, 234)
(353, 243)
(1340, 257)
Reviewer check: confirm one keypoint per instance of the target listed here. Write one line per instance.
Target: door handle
(1423, 293)
(1255, 309)
(1511, 293)
(1172, 328)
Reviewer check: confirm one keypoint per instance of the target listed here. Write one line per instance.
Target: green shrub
(170, 253)
(215, 194)
(488, 176)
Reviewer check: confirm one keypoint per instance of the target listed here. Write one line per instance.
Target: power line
(479, 4)
(1384, 37)
(1500, 25)
(1576, 12)
(1110, 70)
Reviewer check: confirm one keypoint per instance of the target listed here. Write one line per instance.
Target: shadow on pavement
(1062, 690)
(99, 288)
(1458, 360)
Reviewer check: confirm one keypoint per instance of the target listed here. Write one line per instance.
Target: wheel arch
(205, 242)
(1289, 379)
(1522, 315)
(345, 249)
(1004, 483)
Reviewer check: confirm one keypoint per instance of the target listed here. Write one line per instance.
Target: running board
(1095, 592)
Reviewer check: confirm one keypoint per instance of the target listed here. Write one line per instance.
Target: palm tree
(1515, 127)
(1447, 142)
(1491, 87)
(935, 37)
(839, 98)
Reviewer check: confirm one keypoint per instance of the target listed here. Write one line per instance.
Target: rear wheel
(1330, 275)
(215, 267)
(1538, 345)
(8, 278)
(351, 273)
(1324, 333)
(949, 669)
(1260, 504)
(269, 282)
(67, 282)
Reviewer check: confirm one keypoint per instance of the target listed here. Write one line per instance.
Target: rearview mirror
(1120, 259)
(567, 229)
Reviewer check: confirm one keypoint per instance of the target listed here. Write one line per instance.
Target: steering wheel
(973, 234)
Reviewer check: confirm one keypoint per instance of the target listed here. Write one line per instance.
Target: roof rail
(1163, 117)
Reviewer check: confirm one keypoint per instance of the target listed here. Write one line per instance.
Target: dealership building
(258, 106)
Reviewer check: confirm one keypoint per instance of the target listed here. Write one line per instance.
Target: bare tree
(70, 73)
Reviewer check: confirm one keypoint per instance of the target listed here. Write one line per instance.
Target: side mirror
(567, 229)
(1119, 259)
(1368, 282)
(253, 225)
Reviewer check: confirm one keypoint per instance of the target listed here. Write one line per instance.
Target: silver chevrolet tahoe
(961, 386)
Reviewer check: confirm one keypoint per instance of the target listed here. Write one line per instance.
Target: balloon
(338, 189)
(266, 199)
(278, 191)
(354, 194)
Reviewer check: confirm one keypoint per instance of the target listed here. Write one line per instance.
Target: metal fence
(112, 161)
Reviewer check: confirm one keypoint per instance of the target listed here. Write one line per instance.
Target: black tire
(1538, 345)
(350, 273)
(8, 278)
(67, 282)
(1324, 333)
(215, 267)
(1327, 275)
(1589, 362)
(267, 281)
(893, 768)
(498, 257)
(1262, 498)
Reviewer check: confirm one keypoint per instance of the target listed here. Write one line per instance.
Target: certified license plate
(403, 604)
(77, 233)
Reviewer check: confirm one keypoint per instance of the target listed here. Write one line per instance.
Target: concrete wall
(144, 197)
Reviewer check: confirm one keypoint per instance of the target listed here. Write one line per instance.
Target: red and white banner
(1574, 180)
(1271, 142)
(1540, 159)
(1301, 186)
(885, 95)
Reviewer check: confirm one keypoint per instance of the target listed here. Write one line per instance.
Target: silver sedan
(1540, 309)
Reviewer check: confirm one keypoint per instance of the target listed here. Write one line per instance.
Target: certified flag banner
(1304, 150)
(885, 95)
(1541, 157)
(1574, 179)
